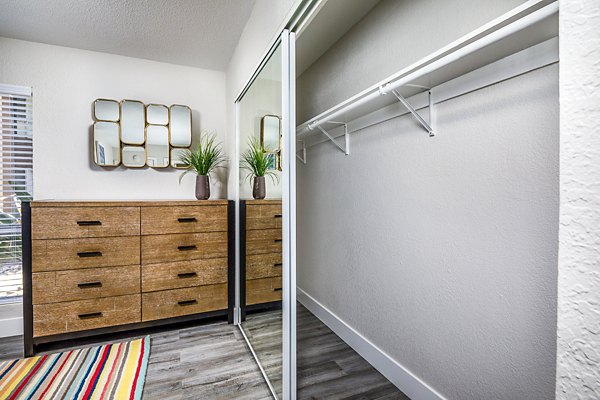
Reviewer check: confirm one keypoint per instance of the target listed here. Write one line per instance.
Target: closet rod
(470, 48)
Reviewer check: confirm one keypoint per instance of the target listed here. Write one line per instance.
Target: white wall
(65, 83)
(265, 23)
(578, 353)
(440, 251)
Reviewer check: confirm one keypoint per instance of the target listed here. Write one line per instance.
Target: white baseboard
(11, 327)
(402, 378)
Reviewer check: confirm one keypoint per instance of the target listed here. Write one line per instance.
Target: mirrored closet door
(264, 180)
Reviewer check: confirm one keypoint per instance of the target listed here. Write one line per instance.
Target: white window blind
(16, 184)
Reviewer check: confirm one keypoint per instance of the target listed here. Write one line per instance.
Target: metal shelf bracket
(414, 112)
(346, 147)
(303, 158)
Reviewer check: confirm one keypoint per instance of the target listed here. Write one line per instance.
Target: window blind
(16, 184)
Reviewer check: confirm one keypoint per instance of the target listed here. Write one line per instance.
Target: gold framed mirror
(107, 110)
(270, 137)
(180, 126)
(107, 146)
(157, 114)
(175, 156)
(134, 156)
(157, 146)
(133, 122)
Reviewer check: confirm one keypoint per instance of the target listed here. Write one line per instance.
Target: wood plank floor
(213, 362)
(327, 367)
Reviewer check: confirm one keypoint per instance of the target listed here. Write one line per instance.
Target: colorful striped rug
(110, 371)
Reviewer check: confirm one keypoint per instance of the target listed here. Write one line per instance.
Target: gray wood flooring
(213, 362)
(327, 367)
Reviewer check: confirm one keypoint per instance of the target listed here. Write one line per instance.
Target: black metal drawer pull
(186, 248)
(277, 289)
(187, 302)
(90, 315)
(184, 220)
(86, 285)
(187, 275)
(89, 223)
(278, 265)
(86, 254)
(278, 216)
(278, 240)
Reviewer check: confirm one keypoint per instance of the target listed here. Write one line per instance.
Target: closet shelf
(530, 24)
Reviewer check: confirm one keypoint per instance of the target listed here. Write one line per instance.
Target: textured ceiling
(199, 33)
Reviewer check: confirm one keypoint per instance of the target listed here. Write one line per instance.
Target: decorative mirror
(180, 126)
(133, 122)
(157, 114)
(107, 147)
(270, 133)
(157, 146)
(134, 156)
(106, 110)
(175, 156)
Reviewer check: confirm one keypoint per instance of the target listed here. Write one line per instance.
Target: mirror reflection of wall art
(270, 137)
(135, 135)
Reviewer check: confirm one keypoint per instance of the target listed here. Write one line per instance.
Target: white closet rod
(384, 89)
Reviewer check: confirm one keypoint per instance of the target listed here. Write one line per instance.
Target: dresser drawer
(263, 265)
(263, 290)
(52, 319)
(54, 287)
(178, 302)
(78, 222)
(66, 254)
(182, 274)
(263, 241)
(265, 216)
(183, 247)
(183, 219)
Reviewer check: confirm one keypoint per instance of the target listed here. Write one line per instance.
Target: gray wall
(441, 251)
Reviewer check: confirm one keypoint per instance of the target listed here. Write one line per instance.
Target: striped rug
(110, 371)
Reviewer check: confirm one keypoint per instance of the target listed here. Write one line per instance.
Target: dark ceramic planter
(259, 190)
(202, 187)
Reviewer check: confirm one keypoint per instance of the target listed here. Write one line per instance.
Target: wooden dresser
(260, 254)
(94, 268)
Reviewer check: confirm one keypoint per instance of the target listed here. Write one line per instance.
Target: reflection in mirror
(270, 133)
(175, 157)
(157, 114)
(134, 156)
(157, 146)
(106, 110)
(180, 126)
(106, 144)
(133, 122)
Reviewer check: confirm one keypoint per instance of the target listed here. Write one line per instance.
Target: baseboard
(401, 377)
(11, 327)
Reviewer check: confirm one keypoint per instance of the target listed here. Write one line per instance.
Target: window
(16, 184)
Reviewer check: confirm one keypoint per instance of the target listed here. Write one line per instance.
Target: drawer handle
(90, 315)
(277, 289)
(277, 216)
(86, 285)
(187, 275)
(87, 254)
(184, 220)
(278, 265)
(89, 223)
(187, 302)
(186, 248)
(278, 240)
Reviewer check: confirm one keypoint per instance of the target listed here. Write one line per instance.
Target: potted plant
(207, 157)
(257, 161)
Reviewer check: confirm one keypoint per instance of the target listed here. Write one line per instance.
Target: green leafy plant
(256, 160)
(207, 157)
